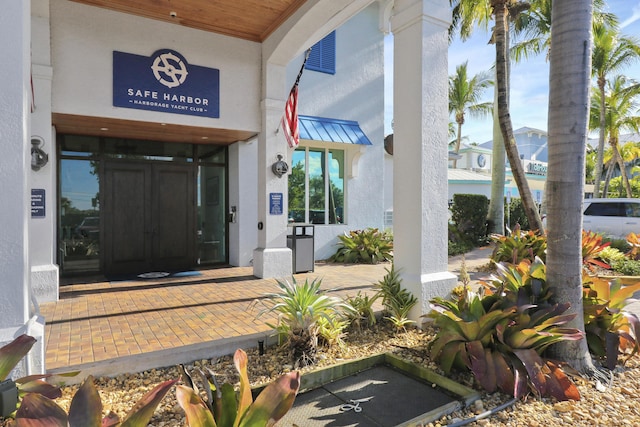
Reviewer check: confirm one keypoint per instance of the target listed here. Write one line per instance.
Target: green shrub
(514, 214)
(469, 215)
(369, 246)
(620, 244)
(627, 267)
(611, 255)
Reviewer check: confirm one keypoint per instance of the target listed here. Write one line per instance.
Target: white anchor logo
(169, 70)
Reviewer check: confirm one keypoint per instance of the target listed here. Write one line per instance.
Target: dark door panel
(174, 220)
(149, 217)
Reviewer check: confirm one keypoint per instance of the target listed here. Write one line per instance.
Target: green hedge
(469, 215)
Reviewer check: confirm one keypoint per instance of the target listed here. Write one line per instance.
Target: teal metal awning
(331, 130)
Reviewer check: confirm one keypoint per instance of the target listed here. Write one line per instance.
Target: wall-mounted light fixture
(280, 167)
(38, 157)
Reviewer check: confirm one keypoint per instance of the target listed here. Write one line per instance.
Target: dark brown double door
(149, 217)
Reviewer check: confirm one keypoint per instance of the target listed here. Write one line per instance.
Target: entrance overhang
(156, 131)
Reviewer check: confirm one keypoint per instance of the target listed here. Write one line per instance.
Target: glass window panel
(316, 186)
(336, 186)
(212, 153)
(74, 145)
(123, 148)
(297, 192)
(212, 215)
(79, 215)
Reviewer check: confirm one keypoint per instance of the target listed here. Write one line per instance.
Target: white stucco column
(420, 104)
(42, 225)
(272, 258)
(15, 309)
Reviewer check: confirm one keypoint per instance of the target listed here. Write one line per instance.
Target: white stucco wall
(84, 37)
(354, 92)
(243, 233)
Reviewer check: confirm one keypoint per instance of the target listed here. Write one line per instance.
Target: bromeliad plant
(363, 313)
(518, 245)
(611, 330)
(592, 246)
(396, 300)
(37, 410)
(500, 334)
(226, 408)
(10, 356)
(369, 246)
(300, 310)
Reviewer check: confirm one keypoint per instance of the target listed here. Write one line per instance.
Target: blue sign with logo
(165, 82)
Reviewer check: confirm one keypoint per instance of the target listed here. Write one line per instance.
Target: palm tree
(611, 52)
(501, 10)
(464, 97)
(621, 105)
(570, 69)
(466, 15)
(533, 28)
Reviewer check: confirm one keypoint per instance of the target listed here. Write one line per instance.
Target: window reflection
(316, 186)
(79, 232)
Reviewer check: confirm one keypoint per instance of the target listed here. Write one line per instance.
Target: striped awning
(331, 130)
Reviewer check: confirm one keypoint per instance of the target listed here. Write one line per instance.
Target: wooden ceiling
(246, 19)
(252, 20)
(100, 126)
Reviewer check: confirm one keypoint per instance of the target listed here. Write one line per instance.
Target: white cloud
(633, 18)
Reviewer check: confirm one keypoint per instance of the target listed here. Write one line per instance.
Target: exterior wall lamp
(38, 157)
(280, 167)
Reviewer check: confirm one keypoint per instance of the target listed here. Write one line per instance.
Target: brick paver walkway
(106, 328)
(98, 322)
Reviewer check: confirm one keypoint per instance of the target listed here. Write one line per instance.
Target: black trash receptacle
(301, 242)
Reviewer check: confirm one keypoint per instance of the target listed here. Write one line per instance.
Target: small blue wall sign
(275, 204)
(38, 209)
(165, 82)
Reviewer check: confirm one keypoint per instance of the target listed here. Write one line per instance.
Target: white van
(612, 217)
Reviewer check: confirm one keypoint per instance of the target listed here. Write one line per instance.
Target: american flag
(289, 120)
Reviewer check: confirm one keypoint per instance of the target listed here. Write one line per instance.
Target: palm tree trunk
(496, 204)
(500, 11)
(569, 82)
(623, 170)
(607, 178)
(600, 153)
(458, 141)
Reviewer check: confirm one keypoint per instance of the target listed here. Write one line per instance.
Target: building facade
(137, 141)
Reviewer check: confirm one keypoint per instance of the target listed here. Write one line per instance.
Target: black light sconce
(280, 167)
(38, 157)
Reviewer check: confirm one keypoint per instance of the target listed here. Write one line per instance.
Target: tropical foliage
(223, 407)
(86, 409)
(500, 334)
(305, 312)
(465, 94)
(518, 245)
(396, 300)
(611, 330)
(370, 246)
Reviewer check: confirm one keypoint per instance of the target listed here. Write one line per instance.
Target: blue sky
(529, 79)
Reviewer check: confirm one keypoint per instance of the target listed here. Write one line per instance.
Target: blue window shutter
(323, 55)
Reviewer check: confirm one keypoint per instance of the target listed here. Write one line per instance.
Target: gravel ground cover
(607, 403)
